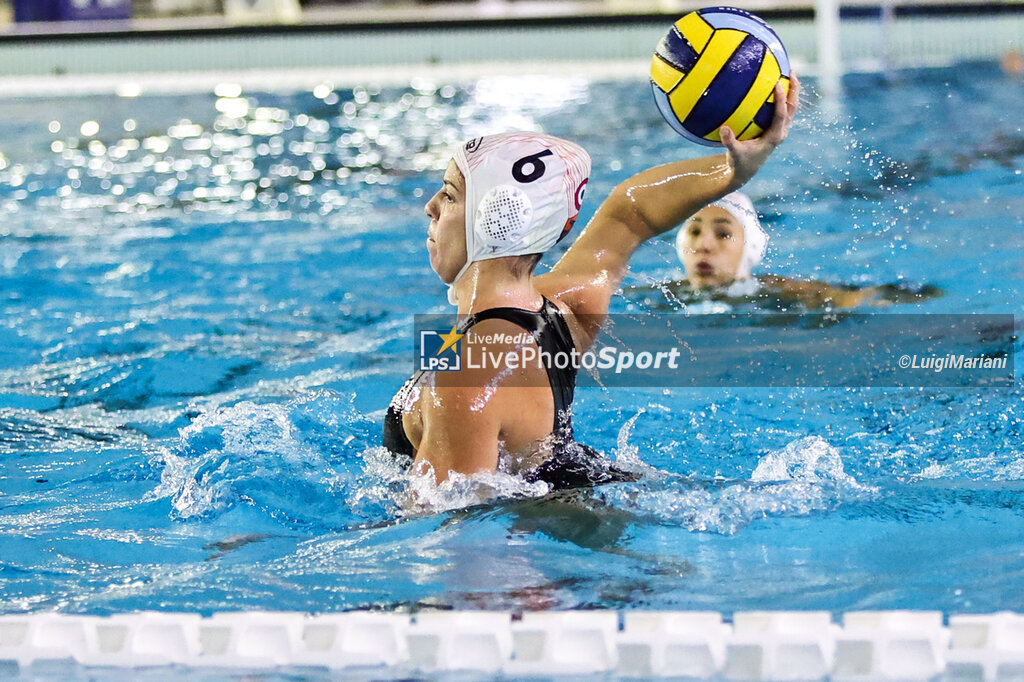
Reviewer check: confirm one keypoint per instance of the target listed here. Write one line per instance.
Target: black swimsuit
(572, 464)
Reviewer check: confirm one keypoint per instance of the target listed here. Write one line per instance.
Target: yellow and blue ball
(718, 66)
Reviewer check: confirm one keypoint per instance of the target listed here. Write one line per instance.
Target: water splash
(625, 451)
(989, 468)
(423, 496)
(238, 455)
(627, 454)
(809, 459)
(804, 478)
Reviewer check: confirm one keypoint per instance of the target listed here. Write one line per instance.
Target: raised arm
(655, 201)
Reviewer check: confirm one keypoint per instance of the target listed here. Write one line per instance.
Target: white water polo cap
(755, 240)
(523, 193)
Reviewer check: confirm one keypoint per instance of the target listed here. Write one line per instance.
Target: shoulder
(792, 287)
(492, 361)
(583, 308)
(493, 330)
(815, 293)
(774, 281)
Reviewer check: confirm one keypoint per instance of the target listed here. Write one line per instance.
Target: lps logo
(440, 352)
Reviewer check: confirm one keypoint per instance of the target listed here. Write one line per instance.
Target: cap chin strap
(452, 296)
(755, 239)
(743, 270)
(468, 179)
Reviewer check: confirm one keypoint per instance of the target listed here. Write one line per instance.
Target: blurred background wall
(73, 39)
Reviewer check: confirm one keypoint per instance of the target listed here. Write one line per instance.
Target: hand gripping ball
(718, 66)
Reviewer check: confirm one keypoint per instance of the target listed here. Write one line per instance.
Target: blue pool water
(208, 304)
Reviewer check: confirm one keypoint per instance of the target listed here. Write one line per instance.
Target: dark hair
(524, 265)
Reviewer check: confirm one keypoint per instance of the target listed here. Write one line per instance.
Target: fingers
(727, 135)
(785, 107)
(781, 106)
(746, 158)
(793, 98)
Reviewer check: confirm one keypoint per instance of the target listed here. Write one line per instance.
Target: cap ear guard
(504, 217)
(755, 239)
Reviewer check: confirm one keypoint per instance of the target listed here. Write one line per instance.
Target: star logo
(449, 339)
(440, 351)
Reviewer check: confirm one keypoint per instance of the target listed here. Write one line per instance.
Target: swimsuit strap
(550, 331)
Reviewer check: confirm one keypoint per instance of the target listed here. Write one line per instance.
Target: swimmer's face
(712, 247)
(446, 236)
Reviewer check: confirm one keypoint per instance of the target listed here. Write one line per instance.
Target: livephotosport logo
(440, 351)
